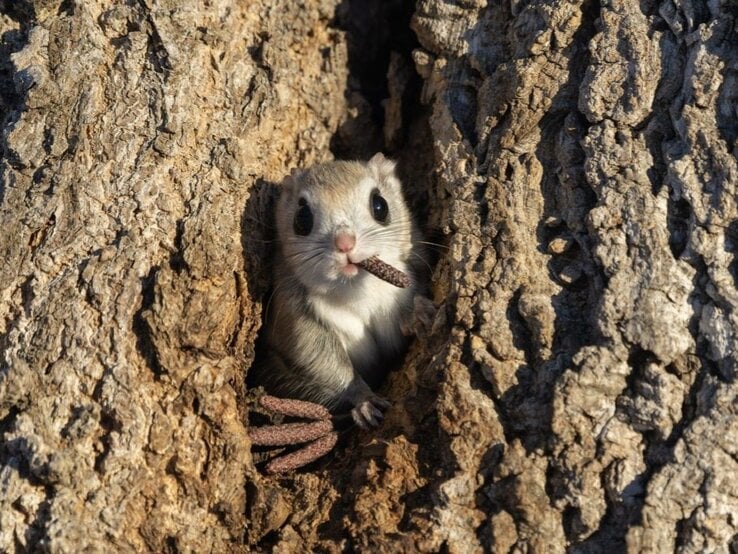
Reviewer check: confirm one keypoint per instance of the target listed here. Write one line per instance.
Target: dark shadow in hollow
(258, 243)
(731, 246)
(14, 85)
(376, 31)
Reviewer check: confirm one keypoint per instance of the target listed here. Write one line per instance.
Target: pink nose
(345, 242)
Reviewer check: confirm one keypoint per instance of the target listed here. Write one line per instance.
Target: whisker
(422, 260)
(432, 244)
(269, 303)
(305, 254)
(302, 258)
(390, 237)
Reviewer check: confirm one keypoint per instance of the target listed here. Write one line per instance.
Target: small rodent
(332, 330)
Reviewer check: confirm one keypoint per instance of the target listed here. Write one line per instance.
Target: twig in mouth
(386, 272)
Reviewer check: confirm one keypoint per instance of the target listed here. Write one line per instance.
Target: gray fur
(329, 336)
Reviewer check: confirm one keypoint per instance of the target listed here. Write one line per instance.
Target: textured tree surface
(578, 162)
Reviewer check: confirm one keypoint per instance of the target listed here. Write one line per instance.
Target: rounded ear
(290, 181)
(381, 166)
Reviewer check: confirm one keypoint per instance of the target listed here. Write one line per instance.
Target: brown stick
(289, 433)
(304, 456)
(295, 408)
(386, 272)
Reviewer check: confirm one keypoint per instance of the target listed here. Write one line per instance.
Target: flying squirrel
(332, 330)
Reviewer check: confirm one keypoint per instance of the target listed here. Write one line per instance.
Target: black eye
(303, 222)
(380, 211)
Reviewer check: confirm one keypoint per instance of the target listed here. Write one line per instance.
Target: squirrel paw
(421, 321)
(368, 413)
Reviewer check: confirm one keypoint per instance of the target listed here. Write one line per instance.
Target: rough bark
(578, 162)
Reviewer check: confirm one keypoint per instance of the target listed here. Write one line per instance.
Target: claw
(368, 414)
(382, 402)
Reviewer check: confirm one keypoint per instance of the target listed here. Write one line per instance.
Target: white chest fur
(365, 315)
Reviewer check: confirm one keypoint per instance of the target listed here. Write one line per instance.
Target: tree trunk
(576, 160)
